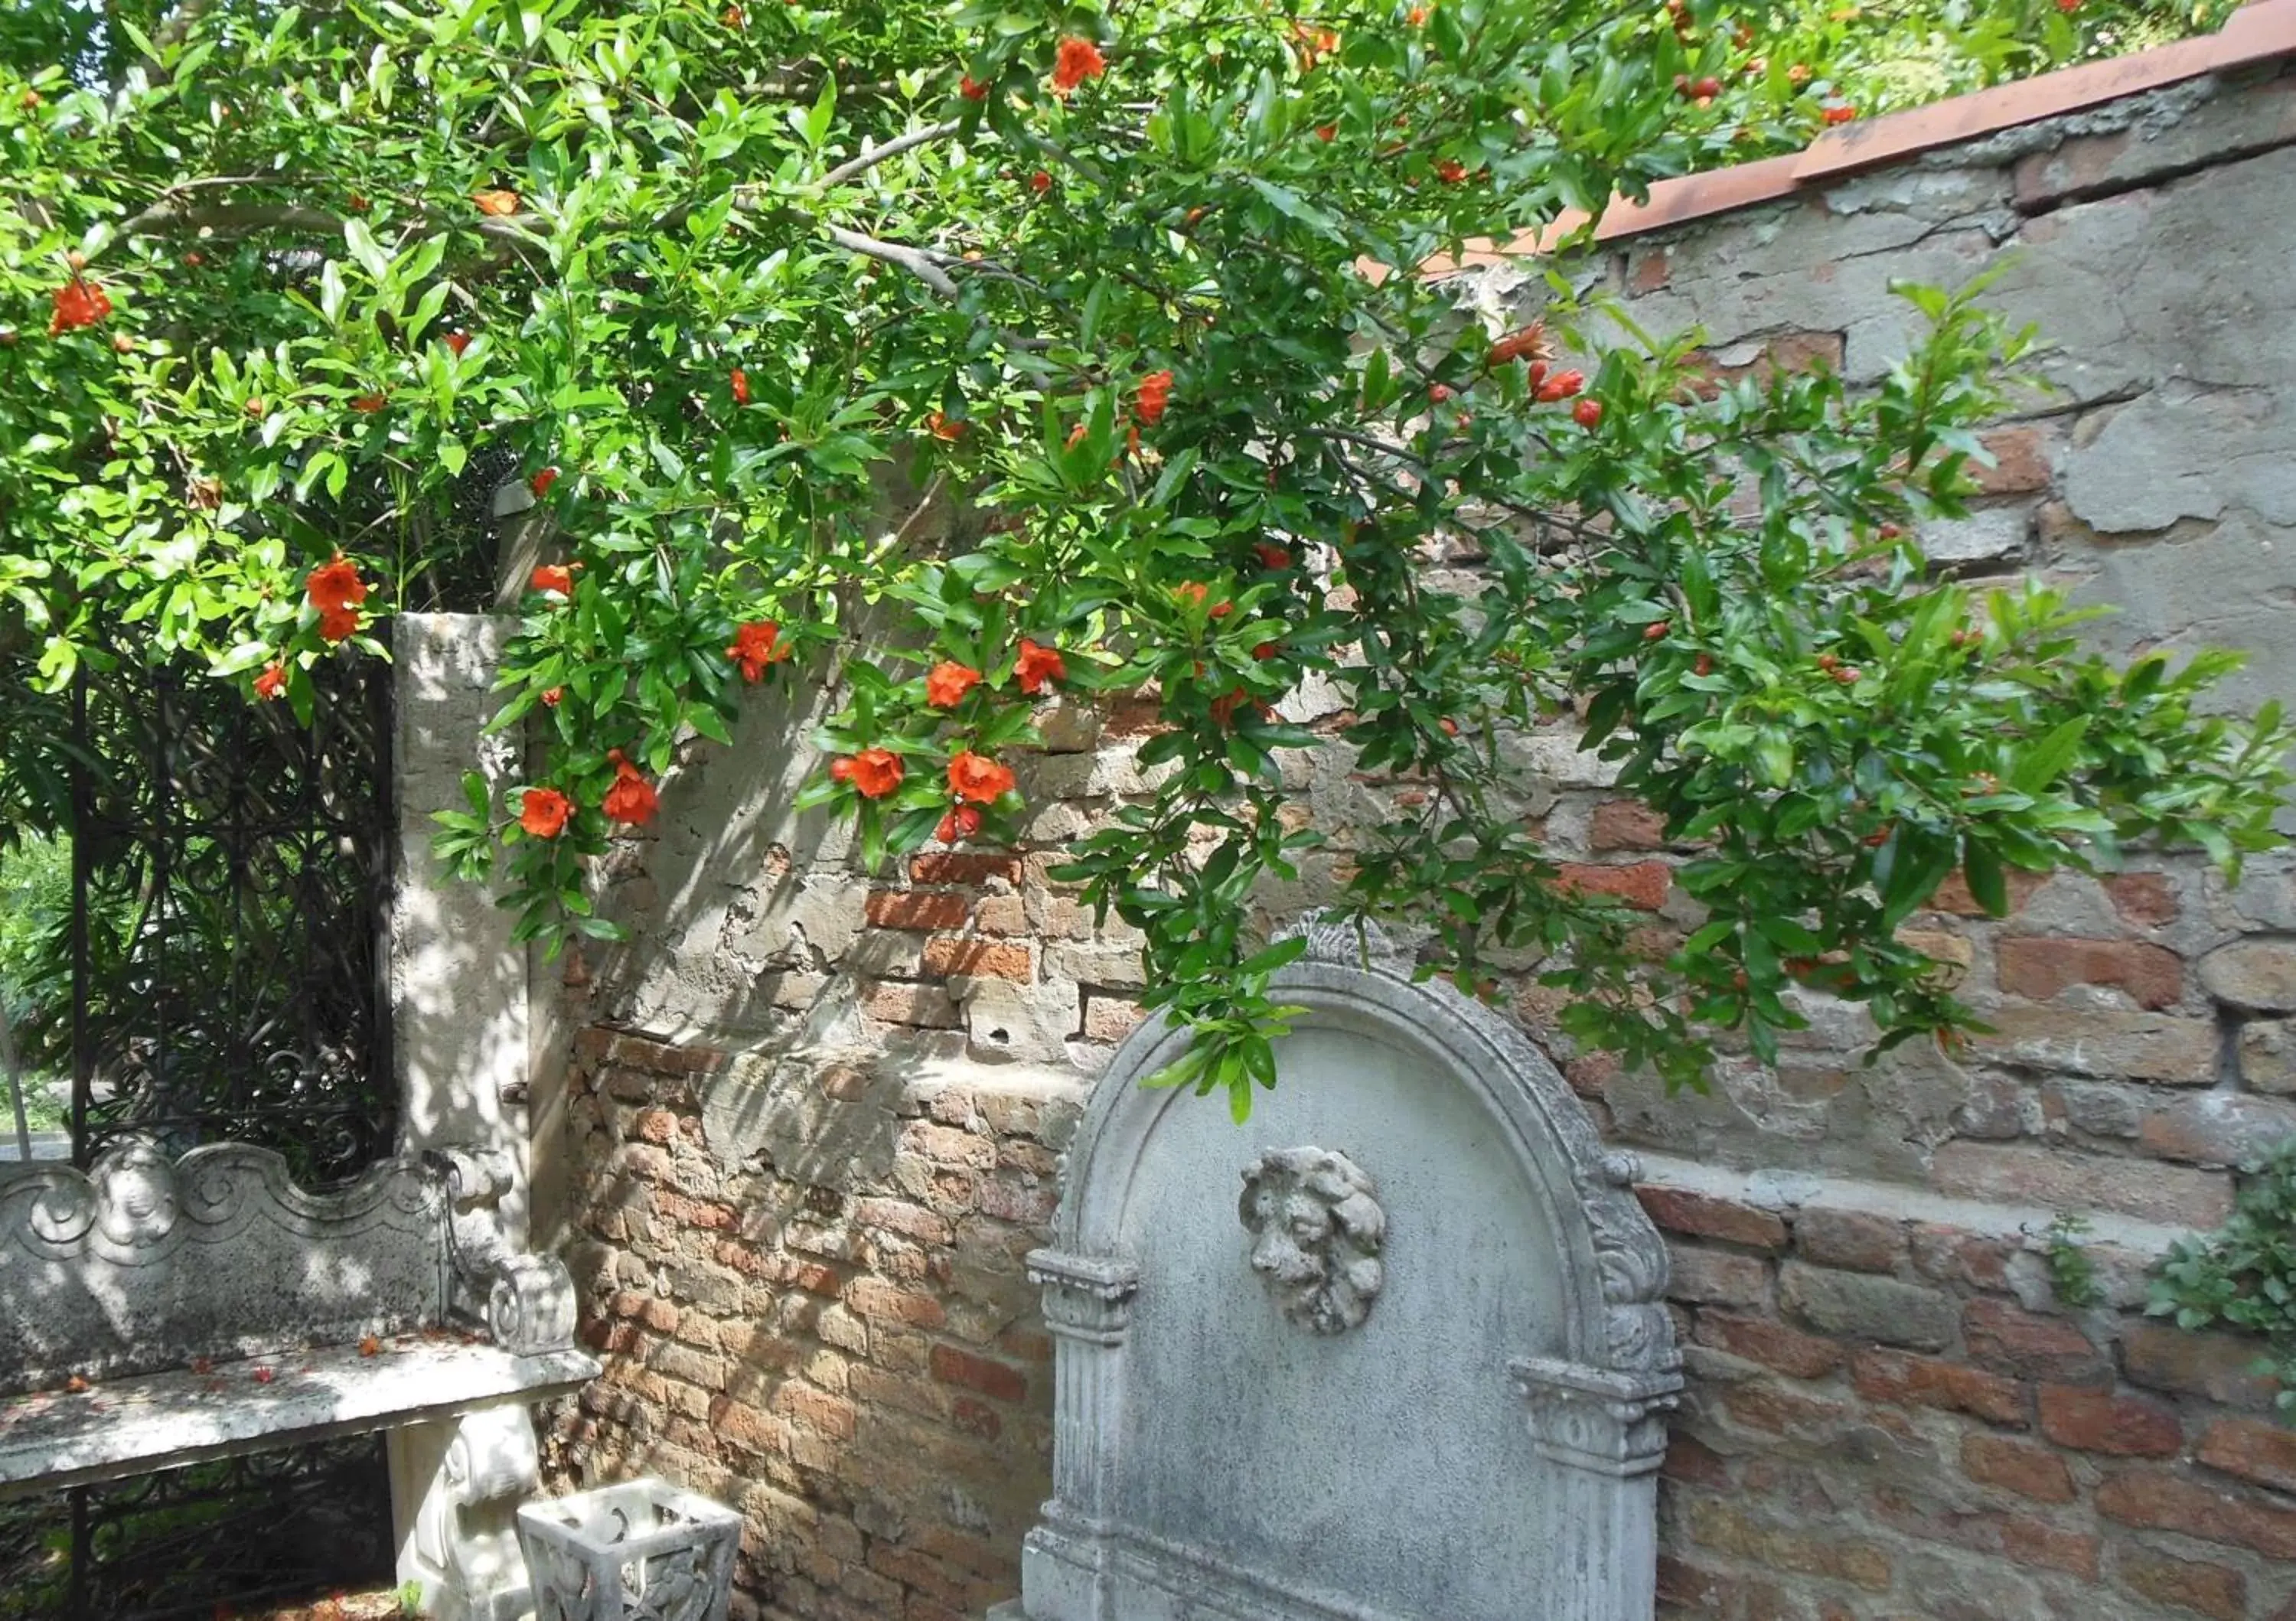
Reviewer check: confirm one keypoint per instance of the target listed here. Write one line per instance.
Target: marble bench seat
(148, 1421)
(157, 1312)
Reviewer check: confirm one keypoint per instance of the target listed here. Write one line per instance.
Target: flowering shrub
(704, 284)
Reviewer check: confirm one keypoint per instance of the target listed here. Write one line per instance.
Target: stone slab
(160, 1420)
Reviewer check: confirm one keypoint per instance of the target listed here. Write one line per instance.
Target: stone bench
(155, 1312)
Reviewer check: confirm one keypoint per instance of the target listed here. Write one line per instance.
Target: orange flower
(948, 683)
(1327, 132)
(1451, 171)
(977, 778)
(271, 683)
(1418, 15)
(962, 823)
(1562, 385)
(971, 89)
(1191, 591)
(501, 205)
(368, 405)
(1037, 664)
(873, 773)
(1838, 115)
(1271, 555)
(338, 623)
(555, 577)
(1076, 61)
(731, 17)
(335, 586)
(632, 798)
(753, 648)
(543, 811)
(552, 697)
(1224, 707)
(1525, 343)
(739, 381)
(948, 430)
(79, 303)
(1154, 394)
(541, 482)
(1587, 413)
(1040, 182)
(1263, 650)
(456, 341)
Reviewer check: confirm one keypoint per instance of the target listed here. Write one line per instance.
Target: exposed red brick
(908, 1220)
(2033, 1542)
(1786, 352)
(1768, 1405)
(981, 959)
(655, 1126)
(1951, 1255)
(1922, 1382)
(1111, 1018)
(875, 1298)
(2163, 1500)
(1626, 824)
(985, 1374)
(2221, 1367)
(2016, 1466)
(1642, 885)
(897, 1001)
(1693, 1463)
(1954, 895)
(2041, 966)
(662, 1058)
(2265, 1453)
(830, 1415)
(703, 1213)
(1707, 1217)
(1695, 1589)
(1715, 1277)
(2185, 1584)
(2029, 1346)
(918, 909)
(2020, 458)
(1770, 1343)
(2147, 900)
(744, 1426)
(2110, 1422)
(1850, 1239)
(964, 867)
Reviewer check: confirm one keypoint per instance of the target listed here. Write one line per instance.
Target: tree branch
(892, 253)
(873, 156)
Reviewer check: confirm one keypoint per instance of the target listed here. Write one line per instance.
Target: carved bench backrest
(144, 1262)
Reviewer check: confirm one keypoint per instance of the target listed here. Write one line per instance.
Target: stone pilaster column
(1087, 1308)
(1608, 1429)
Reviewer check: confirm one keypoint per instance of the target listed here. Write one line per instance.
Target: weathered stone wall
(813, 1120)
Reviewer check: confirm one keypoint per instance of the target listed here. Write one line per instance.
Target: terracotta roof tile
(2261, 31)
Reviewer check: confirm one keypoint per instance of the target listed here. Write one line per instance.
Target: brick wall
(819, 1312)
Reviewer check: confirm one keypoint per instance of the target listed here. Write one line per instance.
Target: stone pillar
(460, 1024)
(1608, 1428)
(1087, 1308)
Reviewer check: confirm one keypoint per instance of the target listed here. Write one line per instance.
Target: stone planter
(641, 1549)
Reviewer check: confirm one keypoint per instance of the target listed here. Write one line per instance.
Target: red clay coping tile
(2260, 31)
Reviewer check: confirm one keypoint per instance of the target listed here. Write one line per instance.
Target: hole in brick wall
(824, 1201)
(1000, 1036)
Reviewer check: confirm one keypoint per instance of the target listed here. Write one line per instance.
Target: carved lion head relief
(1316, 1230)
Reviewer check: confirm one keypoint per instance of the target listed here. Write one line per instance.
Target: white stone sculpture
(1214, 1462)
(1316, 1230)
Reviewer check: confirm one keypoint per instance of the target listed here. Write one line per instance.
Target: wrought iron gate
(231, 879)
(231, 871)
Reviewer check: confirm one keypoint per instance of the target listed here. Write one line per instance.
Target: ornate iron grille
(221, 1538)
(231, 874)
